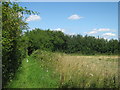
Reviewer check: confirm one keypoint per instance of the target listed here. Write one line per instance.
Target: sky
(66, 0)
(91, 18)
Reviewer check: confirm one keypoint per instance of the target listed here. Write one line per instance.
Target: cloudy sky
(91, 18)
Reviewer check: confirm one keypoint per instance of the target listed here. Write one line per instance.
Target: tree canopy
(58, 41)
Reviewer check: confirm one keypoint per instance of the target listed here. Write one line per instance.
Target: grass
(89, 71)
(36, 73)
(56, 70)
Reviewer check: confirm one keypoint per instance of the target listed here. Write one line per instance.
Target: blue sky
(65, 0)
(91, 18)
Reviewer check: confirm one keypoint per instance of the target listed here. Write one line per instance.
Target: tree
(12, 51)
(58, 41)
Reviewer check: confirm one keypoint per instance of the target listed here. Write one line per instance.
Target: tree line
(58, 41)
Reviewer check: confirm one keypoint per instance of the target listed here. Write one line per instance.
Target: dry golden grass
(83, 71)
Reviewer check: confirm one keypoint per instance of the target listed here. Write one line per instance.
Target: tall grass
(45, 69)
(88, 71)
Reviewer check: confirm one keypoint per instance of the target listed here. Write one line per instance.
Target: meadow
(45, 69)
(88, 71)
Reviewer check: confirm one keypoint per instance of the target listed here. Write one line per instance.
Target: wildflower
(91, 74)
(87, 65)
(27, 60)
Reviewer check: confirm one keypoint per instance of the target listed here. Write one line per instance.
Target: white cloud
(33, 18)
(92, 32)
(103, 29)
(71, 34)
(64, 31)
(59, 29)
(108, 34)
(98, 30)
(74, 17)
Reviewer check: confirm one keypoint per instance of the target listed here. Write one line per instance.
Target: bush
(14, 46)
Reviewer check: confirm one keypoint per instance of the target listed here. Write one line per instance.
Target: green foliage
(12, 39)
(45, 40)
(58, 41)
(38, 72)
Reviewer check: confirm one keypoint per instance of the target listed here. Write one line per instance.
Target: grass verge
(36, 71)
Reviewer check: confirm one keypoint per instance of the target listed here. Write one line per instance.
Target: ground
(54, 70)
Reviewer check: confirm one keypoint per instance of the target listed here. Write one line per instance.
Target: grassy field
(53, 70)
(88, 71)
